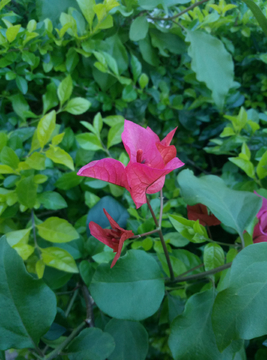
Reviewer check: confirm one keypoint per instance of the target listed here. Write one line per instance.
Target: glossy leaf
(45, 128)
(59, 156)
(235, 209)
(36, 161)
(77, 106)
(89, 141)
(52, 200)
(59, 258)
(57, 230)
(64, 90)
(132, 290)
(213, 256)
(28, 306)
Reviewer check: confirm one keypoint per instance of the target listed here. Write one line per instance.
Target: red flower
(260, 229)
(114, 237)
(200, 212)
(150, 160)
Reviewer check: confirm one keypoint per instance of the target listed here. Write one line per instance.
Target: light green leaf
(143, 81)
(211, 63)
(77, 106)
(40, 268)
(12, 32)
(52, 200)
(24, 250)
(50, 99)
(89, 141)
(25, 315)
(45, 128)
(9, 157)
(19, 236)
(235, 209)
(36, 161)
(64, 90)
(262, 166)
(57, 139)
(132, 290)
(192, 337)
(213, 256)
(114, 134)
(57, 230)
(191, 230)
(91, 344)
(245, 165)
(59, 258)
(106, 23)
(91, 199)
(5, 169)
(98, 123)
(3, 140)
(59, 156)
(139, 28)
(87, 8)
(239, 311)
(3, 3)
(26, 191)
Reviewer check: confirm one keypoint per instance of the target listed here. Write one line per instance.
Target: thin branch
(180, 13)
(72, 300)
(242, 241)
(144, 234)
(193, 269)
(162, 241)
(57, 350)
(161, 208)
(201, 275)
(89, 306)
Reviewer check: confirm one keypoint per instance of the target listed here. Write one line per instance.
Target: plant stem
(180, 13)
(89, 306)
(161, 208)
(144, 234)
(34, 234)
(201, 275)
(193, 269)
(222, 243)
(57, 351)
(71, 302)
(242, 241)
(162, 240)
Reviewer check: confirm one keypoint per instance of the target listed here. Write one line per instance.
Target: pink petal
(140, 177)
(109, 170)
(167, 152)
(167, 140)
(157, 186)
(112, 222)
(101, 234)
(262, 238)
(135, 137)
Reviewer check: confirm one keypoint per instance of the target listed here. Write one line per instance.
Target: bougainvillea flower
(150, 160)
(200, 212)
(114, 237)
(260, 229)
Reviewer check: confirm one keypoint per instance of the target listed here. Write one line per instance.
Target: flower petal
(112, 222)
(109, 170)
(261, 238)
(167, 140)
(125, 236)
(135, 137)
(101, 234)
(167, 152)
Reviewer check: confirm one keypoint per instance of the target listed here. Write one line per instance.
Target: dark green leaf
(139, 28)
(26, 191)
(52, 200)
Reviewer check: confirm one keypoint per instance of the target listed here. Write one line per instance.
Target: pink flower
(200, 212)
(150, 160)
(114, 237)
(260, 229)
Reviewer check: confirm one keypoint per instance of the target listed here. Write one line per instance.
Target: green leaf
(98, 123)
(213, 256)
(86, 271)
(136, 67)
(235, 209)
(57, 230)
(59, 156)
(239, 311)
(3, 3)
(68, 181)
(149, 54)
(191, 230)
(139, 28)
(129, 94)
(59, 258)
(57, 139)
(258, 14)
(132, 290)
(28, 306)
(5, 169)
(9, 157)
(77, 106)
(45, 128)
(245, 165)
(167, 41)
(3, 140)
(91, 344)
(87, 8)
(19, 236)
(22, 84)
(36, 161)
(131, 340)
(52, 200)
(50, 97)
(72, 60)
(262, 166)
(26, 191)
(91, 199)
(143, 81)
(12, 32)
(211, 63)
(24, 250)
(89, 141)
(114, 134)
(192, 337)
(64, 90)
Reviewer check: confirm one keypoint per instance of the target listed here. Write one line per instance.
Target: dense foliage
(71, 71)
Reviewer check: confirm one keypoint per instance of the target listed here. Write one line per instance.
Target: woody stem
(161, 238)
(144, 234)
